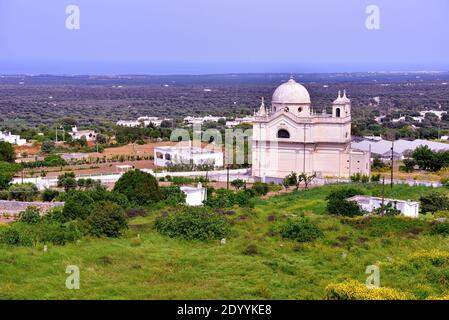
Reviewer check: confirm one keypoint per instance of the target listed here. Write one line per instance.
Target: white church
(291, 136)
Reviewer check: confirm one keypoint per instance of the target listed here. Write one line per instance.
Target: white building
(382, 148)
(129, 124)
(238, 121)
(292, 137)
(200, 120)
(438, 113)
(76, 134)
(142, 122)
(370, 204)
(167, 155)
(194, 195)
(12, 138)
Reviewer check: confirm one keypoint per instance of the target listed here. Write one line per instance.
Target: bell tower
(341, 107)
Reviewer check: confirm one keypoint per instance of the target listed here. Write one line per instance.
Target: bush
(223, 198)
(49, 195)
(441, 214)
(23, 192)
(260, 188)
(48, 147)
(54, 160)
(238, 183)
(7, 153)
(101, 194)
(301, 230)
(440, 228)
(173, 195)
(7, 171)
(67, 181)
(354, 290)
(25, 234)
(193, 223)
(337, 203)
(434, 202)
(139, 187)
(445, 182)
(107, 219)
(181, 180)
(356, 177)
(381, 226)
(31, 215)
(78, 205)
(388, 210)
(251, 250)
(9, 236)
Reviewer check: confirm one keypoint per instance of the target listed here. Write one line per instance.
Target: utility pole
(227, 177)
(392, 161)
(304, 151)
(56, 139)
(383, 197)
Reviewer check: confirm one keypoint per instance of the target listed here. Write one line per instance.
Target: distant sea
(165, 68)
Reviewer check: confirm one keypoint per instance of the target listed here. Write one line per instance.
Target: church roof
(291, 92)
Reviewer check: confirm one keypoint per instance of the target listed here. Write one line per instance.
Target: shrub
(301, 230)
(434, 202)
(260, 188)
(101, 194)
(238, 183)
(441, 214)
(7, 171)
(251, 250)
(441, 228)
(181, 180)
(54, 160)
(9, 236)
(223, 198)
(445, 182)
(107, 219)
(388, 210)
(25, 234)
(139, 187)
(23, 192)
(380, 226)
(67, 181)
(49, 195)
(173, 195)
(55, 215)
(48, 147)
(290, 181)
(354, 290)
(375, 178)
(78, 205)
(193, 223)
(7, 153)
(356, 177)
(31, 215)
(337, 203)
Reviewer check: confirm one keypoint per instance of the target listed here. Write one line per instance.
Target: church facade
(291, 136)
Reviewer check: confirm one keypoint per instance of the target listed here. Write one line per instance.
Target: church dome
(291, 92)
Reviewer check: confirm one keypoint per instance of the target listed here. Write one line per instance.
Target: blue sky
(213, 36)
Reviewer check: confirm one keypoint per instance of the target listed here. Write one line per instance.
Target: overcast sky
(209, 36)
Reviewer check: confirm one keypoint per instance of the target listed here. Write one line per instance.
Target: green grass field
(146, 265)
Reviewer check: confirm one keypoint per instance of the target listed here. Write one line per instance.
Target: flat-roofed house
(370, 204)
(168, 155)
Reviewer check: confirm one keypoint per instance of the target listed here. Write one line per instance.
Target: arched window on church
(337, 112)
(284, 134)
